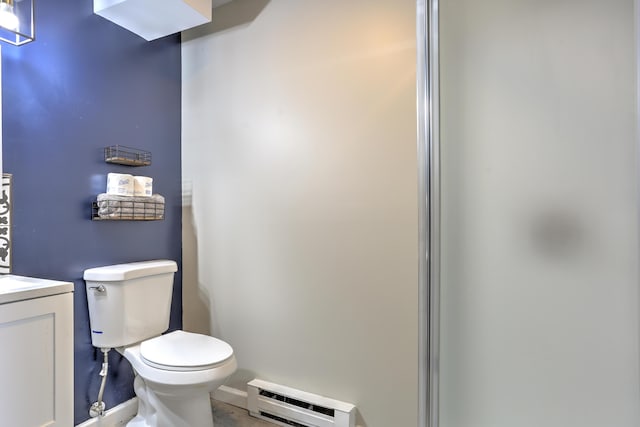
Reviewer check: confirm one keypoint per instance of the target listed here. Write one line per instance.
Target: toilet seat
(164, 377)
(185, 351)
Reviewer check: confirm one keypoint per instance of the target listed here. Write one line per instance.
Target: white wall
(300, 226)
(540, 256)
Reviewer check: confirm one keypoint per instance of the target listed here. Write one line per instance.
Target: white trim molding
(115, 417)
(232, 396)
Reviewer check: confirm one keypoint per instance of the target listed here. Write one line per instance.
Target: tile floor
(225, 415)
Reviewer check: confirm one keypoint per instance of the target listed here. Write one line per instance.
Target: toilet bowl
(129, 307)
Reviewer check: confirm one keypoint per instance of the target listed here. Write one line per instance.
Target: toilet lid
(184, 351)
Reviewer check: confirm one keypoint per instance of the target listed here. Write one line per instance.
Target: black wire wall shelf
(121, 155)
(127, 210)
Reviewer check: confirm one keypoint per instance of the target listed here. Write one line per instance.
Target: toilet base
(159, 410)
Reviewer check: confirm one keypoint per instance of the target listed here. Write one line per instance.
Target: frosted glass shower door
(539, 219)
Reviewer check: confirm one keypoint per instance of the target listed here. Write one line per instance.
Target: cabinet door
(36, 362)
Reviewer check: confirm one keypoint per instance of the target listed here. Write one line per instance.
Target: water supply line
(97, 408)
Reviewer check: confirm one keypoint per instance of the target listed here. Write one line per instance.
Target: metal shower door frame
(428, 107)
(428, 149)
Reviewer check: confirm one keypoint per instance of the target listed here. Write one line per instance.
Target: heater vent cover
(286, 406)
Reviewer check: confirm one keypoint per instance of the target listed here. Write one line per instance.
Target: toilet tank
(129, 303)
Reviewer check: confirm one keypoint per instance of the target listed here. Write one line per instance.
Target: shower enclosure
(528, 152)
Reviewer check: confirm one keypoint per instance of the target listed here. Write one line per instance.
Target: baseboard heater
(286, 407)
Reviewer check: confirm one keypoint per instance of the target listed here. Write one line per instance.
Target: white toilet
(129, 307)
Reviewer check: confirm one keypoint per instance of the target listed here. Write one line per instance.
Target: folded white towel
(126, 207)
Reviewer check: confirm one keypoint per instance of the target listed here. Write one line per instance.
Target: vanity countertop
(17, 288)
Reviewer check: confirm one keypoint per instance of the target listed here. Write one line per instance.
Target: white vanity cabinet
(36, 352)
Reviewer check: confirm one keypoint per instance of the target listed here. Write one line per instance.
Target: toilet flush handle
(99, 288)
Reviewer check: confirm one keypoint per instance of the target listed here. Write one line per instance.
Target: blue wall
(84, 84)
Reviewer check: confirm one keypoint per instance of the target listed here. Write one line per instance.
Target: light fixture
(17, 21)
(8, 19)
